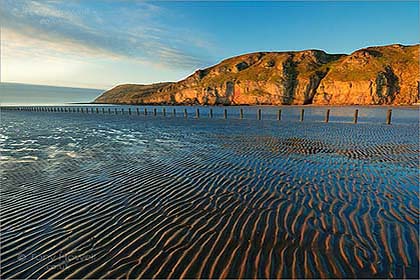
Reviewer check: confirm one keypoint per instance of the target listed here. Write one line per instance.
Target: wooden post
(103, 111)
(116, 112)
(356, 115)
(259, 114)
(137, 110)
(388, 116)
(109, 111)
(279, 115)
(241, 113)
(145, 111)
(225, 114)
(211, 113)
(302, 114)
(197, 113)
(97, 111)
(154, 112)
(129, 111)
(185, 113)
(164, 112)
(81, 109)
(91, 109)
(174, 112)
(78, 109)
(327, 116)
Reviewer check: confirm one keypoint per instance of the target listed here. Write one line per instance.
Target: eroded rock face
(372, 76)
(377, 75)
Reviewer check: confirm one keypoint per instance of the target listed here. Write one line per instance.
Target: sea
(27, 94)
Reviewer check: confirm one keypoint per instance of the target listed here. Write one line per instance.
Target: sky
(99, 44)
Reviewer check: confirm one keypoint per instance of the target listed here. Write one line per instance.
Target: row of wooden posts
(197, 112)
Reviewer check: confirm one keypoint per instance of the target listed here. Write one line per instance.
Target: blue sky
(103, 43)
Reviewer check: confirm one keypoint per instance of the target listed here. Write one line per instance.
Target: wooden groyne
(137, 111)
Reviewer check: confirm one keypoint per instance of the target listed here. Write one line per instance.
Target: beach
(133, 196)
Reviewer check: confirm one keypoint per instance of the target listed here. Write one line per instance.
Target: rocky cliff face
(129, 93)
(376, 75)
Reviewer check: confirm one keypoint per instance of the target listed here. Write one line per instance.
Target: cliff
(375, 75)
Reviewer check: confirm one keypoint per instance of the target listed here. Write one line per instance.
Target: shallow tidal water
(134, 196)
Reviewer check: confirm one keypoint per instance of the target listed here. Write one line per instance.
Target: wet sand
(130, 197)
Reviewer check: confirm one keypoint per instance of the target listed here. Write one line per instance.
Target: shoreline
(258, 105)
(413, 106)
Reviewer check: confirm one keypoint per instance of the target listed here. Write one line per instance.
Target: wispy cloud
(81, 31)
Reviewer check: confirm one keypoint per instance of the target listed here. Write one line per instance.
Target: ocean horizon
(29, 94)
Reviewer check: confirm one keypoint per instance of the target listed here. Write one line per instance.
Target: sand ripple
(194, 200)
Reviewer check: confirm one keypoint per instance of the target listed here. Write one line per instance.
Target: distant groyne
(199, 112)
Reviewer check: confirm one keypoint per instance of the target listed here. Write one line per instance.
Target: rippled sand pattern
(135, 197)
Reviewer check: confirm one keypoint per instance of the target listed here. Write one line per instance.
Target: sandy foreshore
(87, 196)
